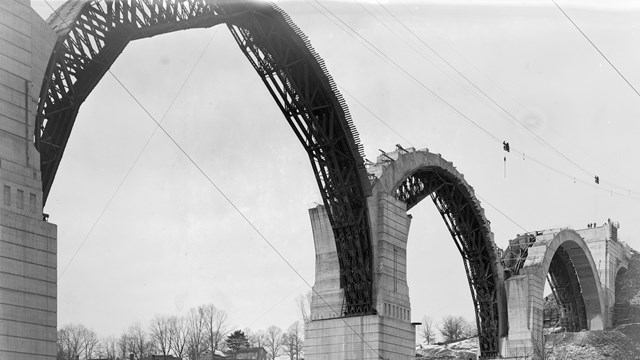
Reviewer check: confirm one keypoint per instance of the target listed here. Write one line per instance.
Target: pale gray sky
(169, 241)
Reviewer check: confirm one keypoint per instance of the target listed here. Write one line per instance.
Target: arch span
(92, 34)
(566, 254)
(411, 176)
(565, 257)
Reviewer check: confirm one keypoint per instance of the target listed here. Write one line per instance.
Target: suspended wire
(501, 213)
(275, 305)
(376, 51)
(135, 161)
(504, 110)
(596, 47)
(342, 89)
(235, 207)
(422, 54)
(398, 67)
(498, 87)
(610, 64)
(486, 132)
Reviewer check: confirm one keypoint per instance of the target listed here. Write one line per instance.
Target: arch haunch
(412, 176)
(92, 34)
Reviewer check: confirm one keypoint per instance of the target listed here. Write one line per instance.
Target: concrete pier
(388, 334)
(27, 243)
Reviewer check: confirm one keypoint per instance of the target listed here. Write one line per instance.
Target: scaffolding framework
(92, 34)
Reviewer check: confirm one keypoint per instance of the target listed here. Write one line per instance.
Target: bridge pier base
(388, 334)
(359, 338)
(520, 341)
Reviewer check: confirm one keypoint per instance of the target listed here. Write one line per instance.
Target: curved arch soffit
(415, 175)
(620, 273)
(540, 258)
(92, 34)
(620, 297)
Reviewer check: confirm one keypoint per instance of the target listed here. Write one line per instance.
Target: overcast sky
(169, 241)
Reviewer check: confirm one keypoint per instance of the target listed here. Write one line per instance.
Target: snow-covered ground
(464, 349)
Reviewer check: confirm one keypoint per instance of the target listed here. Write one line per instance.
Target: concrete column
(326, 300)
(27, 243)
(388, 334)
(519, 342)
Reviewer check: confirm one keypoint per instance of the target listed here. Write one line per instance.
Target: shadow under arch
(92, 34)
(620, 314)
(411, 176)
(565, 256)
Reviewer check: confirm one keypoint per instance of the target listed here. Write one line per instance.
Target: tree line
(451, 328)
(197, 335)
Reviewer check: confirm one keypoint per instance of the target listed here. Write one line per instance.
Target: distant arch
(411, 176)
(565, 255)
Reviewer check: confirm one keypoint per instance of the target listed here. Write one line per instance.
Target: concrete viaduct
(361, 307)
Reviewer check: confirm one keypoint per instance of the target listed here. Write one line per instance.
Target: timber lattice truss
(92, 34)
(471, 233)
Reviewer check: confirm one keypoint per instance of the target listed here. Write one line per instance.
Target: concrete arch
(525, 288)
(401, 180)
(539, 262)
(93, 33)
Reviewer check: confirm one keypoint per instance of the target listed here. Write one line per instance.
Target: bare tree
(292, 341)
(215, 327)
(196, 336)
(109, 348)
(162, 334)
(138, 342)
(452, 327)
(304, 305)
(273, 341)
(427, 330)
(76, 341)
(256, 339)
(470, 329)
(123, 345)
(179, 335)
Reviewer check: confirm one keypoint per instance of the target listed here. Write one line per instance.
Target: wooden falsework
(92, 34)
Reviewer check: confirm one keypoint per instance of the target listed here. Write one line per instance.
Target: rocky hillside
(620, 344)
(592, 345)
(627, 308)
